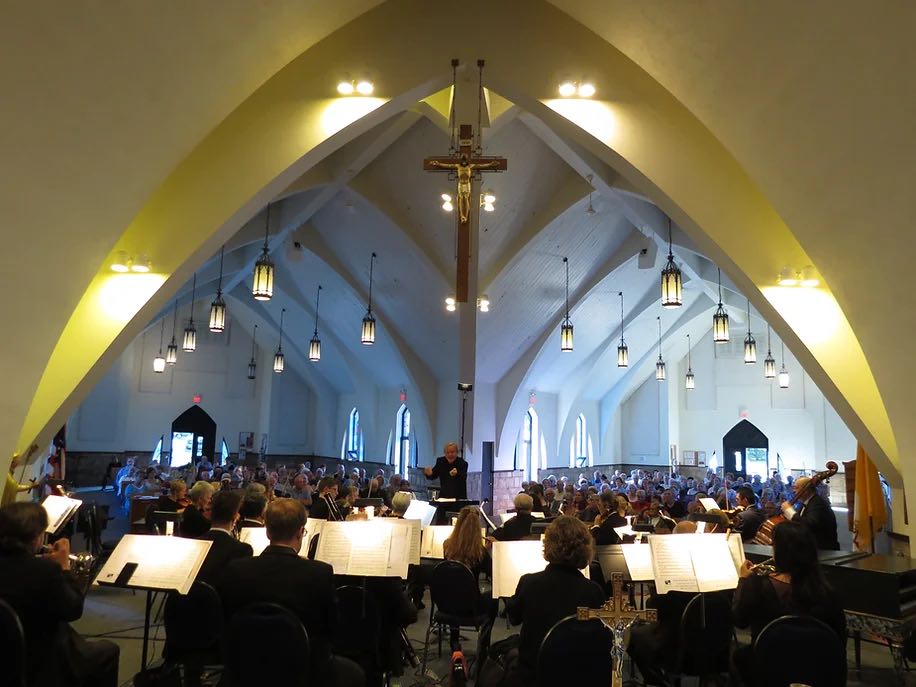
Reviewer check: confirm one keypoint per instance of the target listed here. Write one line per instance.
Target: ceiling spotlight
(142, 264)
(483, 303)
(450, 304)
(447, 202)
(487, 198)
(365, 87)
(809, 277)
(121, 262)
(345, 88)
(586, 90)
(788, 277)
(567, 89)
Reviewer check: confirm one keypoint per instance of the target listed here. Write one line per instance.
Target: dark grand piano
(878, 594)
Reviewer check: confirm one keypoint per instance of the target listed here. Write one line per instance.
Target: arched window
(580, 445)
(402, 445)
(354, 445)
(529, 451)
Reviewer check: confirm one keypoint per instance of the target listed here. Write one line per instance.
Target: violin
(765, 533)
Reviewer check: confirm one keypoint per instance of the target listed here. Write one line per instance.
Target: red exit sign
(196, 398)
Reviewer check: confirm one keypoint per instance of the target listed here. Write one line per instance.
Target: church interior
(609, 254)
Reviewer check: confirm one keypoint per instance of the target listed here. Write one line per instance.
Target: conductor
(452, 473)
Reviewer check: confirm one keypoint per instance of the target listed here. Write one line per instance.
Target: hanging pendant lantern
(690, 382)
(750, 345)
(171, 353)
(672, 281)
(566, 327)
(252, 365)
(660, 371)
(623, 353)
(262, 286)
(189, 341)
(279, 358)
(159, 361)
(720, 319)
(769, 363)
(315, 343)
(218, 306)
(783, 372)
(367, 336)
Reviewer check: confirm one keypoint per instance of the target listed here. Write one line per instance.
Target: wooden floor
(118, 614)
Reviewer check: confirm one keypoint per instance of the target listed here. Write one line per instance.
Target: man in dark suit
(306, 588)
(251, 512)
(518, 527)
(751, 518)
(452, 473)
(224, 514)
(324, 507)
(46, 597)
(814, 512)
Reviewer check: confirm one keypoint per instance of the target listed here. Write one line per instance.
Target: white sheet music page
(59, 510)
(313, 526)
(422, 511)
(736, 547)
(370, 544)
(256, 538)
(713, 563)
(709, 504)
(639, 561)
(413, 528)
(334, 547)
(434, 537)
(167, 563)
(512, 559)
(672, 564)
(399, 548)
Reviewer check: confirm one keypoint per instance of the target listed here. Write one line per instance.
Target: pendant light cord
(317, 304)
(371, 265)
(670, 252)
(267, 228)
(161, 335)
(193, 294)
(688, 353)
(620, 293)
(719, 270)
(219, 283)
(566, 262)
(175, 320)
(659, 337)
(254, 337)
(280, 343)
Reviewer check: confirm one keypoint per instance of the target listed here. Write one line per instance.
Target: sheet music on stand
(434, 537)
(422, 511)
(59, 509)
(414, 527)
(313, 527)
(687, 563)
(256, 538)
(147, 561)
(512, 559)
(374, 548)
(506, 517)
(638, 558)
(709, 504)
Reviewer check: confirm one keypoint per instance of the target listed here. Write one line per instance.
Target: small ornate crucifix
(618, 616)
(465, 167)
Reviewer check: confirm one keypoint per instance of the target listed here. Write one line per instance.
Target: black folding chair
(12, 639)
(193, 628)
(263, 630)
(706, 635)
(456, 603)
(778, 661)
(585, 644)
(360, 639)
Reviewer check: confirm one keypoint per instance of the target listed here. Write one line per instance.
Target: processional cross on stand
(617, 615)
(464, 165)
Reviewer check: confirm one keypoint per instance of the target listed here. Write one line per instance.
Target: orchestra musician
(452, 473)
(518, 527)
(751, 517)
(612, 514)
(814, 512)
(324, 507)
(47, 597)
(224, 515)
(12, 487)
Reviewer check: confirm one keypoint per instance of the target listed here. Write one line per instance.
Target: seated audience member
(151, 483)
(400, 502)
(670, 505)
(46, 597)
(195, 520)
(652, 516)
(304, 587)
(301, 490)
(541, 599)
(613, 511)
(125, 475)
(539, 503)
(251, 512)
(590, 512)
(653, 646)
(176, 499)
(551, 502)
(224, 515)
(797, 587)
(518, 527)
(466, 546)
(751, 518)
(324, 506)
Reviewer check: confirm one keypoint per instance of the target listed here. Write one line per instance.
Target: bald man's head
(685, 527)
(800, 485)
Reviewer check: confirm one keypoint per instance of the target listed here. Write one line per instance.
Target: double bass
(765, 533)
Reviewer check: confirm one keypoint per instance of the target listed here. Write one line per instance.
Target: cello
(765, 533)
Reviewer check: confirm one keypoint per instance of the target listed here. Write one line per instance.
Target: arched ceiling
(144, 119)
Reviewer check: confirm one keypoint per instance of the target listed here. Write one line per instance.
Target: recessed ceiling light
(809, 277)
(489, 197)
(567, 88)
(120, 262)
(345, 88)
(365, 87)
(141, 264)
(586, 90)
(788, 277)
(450, 304)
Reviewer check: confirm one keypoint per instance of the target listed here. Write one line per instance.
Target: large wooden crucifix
(617, 615)
(465, 167)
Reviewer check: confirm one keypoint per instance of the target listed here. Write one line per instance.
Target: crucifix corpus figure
(465, 166)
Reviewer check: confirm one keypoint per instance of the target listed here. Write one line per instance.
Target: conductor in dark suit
(324, 506)
(224, 514)
(815, 513)
(46, 597)
(306, 588)
(452, 473)
(518, 527)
